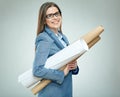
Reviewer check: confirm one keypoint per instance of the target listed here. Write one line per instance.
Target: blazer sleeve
(76, 71)
(41, 55)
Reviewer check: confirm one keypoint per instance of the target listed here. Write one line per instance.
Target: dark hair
(42, 15)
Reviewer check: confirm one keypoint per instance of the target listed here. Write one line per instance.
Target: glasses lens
(57, 14)
(49, 16)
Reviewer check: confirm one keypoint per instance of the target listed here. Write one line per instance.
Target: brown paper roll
(90, 38)
(40, 86)
(93, 42)
(93, 34)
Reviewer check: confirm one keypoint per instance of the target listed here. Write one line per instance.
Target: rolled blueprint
(77, 49)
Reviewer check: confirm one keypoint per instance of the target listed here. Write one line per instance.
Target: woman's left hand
(72, 65)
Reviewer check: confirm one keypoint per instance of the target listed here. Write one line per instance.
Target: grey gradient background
(99, 68)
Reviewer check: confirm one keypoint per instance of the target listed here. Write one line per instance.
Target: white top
(61, 39)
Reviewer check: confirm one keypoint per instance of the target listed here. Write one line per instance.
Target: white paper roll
(67, 54)
(27, 79)
(56, 61)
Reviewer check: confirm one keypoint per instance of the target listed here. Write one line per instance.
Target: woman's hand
(70, 66)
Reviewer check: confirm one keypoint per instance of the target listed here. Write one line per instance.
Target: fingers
(66, 70)
(72, 65)
(74, 61)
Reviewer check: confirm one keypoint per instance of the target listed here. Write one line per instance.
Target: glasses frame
(56, 14)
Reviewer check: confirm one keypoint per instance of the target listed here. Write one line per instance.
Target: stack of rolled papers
(56, 61)
(70, 53)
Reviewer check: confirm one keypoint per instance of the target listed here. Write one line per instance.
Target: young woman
(49, 41)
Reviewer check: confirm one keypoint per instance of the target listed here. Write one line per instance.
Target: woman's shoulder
(43, 37)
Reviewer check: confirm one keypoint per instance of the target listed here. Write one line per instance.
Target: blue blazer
(47, 44)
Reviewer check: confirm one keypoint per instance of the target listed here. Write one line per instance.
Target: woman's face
(53, 19)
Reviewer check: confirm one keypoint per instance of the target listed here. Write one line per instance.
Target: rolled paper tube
(93, 34)
(93, 42)
(45, 82)
(56, 61)
(42, 84)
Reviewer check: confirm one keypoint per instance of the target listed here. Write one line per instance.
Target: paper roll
(76, 49)
(94, 41)
(70, 53)
(93, 34)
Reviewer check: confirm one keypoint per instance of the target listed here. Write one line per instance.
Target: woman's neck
(55, 31)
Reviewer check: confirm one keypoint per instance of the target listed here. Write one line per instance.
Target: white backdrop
(99, 68)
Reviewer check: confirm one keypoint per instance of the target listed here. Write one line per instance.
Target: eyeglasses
(50, 16)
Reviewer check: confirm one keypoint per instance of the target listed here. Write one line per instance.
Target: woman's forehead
(51, 10)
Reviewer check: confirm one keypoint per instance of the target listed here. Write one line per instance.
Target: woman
(49, 41)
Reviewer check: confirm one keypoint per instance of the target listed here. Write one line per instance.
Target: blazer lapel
(65, 39)
(54, 37)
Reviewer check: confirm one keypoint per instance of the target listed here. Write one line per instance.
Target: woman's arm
(42, 53)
